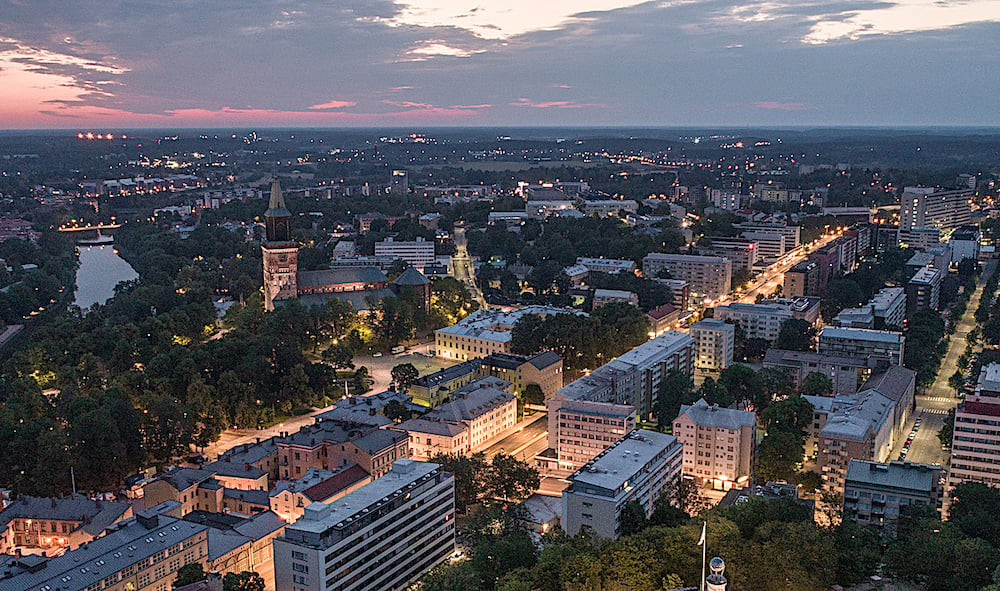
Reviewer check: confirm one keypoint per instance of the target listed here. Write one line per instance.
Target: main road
(463, 268)
(935, 401)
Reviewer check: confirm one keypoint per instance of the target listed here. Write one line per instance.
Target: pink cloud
(776, 106)
(335, 104)
(523, 102)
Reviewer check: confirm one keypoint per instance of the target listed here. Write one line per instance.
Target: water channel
(100, 270)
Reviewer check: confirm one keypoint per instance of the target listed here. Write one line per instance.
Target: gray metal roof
(341, 275)
(95, 515)
(705, 415)
(895, 475)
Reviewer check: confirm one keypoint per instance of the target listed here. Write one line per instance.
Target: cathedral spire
(276, 206)
(277, 218)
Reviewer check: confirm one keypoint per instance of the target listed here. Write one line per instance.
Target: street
(935, 402)
(463, 268)
(529, 439)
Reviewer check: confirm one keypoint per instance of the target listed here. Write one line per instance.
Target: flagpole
(704, 549)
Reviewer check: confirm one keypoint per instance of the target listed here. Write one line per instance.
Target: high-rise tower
(280, 252)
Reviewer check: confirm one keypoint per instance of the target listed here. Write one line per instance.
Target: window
(299, 568)
(298, 555)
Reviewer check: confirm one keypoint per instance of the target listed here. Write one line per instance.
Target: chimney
(246, 467)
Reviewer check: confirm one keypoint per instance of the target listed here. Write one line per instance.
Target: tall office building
(384, 535)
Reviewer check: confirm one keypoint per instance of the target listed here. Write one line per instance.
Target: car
(377, 354)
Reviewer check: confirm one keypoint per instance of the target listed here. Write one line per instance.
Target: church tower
(280, 252)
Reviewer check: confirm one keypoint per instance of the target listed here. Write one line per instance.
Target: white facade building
(417, 253)
(384, 535)
(862, 343)
(923, 207)
(975, 448)
(486, 331)
(758, 321)
(638, 468)
(714, 343)
(889, 305)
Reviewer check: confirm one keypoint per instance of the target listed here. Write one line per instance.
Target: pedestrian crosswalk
(938, 399)
(933, 411)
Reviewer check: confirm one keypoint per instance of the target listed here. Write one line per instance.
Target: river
(100, 270)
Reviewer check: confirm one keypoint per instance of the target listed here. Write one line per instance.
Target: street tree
(795, 335)
(403, 376)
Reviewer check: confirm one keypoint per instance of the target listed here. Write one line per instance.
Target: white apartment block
(922, 207)
(975, 448)
(714, 343)
(862, 343)
(708, 276)
(769, 245)
(603, 297)
(639, 467)
(384, 535)
(792, 234)
(609, 266)
(609, 207)
(486, 331)
(758, 321)
(417, 253)
(889, 305)
(741, 252)
(634, 377)
(924, 290)
(579, 430)
(718, 443)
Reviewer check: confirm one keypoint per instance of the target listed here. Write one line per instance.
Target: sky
(100, 65)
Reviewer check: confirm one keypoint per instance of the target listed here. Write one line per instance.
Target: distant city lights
(91, 136)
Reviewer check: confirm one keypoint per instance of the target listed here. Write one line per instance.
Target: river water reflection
(100, 270)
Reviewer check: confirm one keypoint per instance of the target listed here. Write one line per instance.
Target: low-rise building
(875, 493)
(384, 535)
(543, 369)
(714, 343)
(603, 297)
(261, 454)
(769, 245)
(862, 343)
(662, 318)
(579, 430)
(855, 318)
(609, 207)
(436, 388)
(238, 544)
(802, 307)
(680, 292)
(479, 414)
(36, 525)
(142, 553)
(719, 443)
(609, 266)
(486, 331)
(639, 467)
(289, 498)
(708, 276)
(769, 491)
(202, 490)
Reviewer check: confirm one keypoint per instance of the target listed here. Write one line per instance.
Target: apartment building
(792, 234)
(858, 427)
(718, 443)
(680, 292)
(923, 291)
(638, 467)
(846, 373)
(889, 306)
(384, 535)
(261, 454)
(289, 498)
(417, 253)
(603, 297)
(142, 553)
(743, 252)
(486, 331)
(634, 377)
(708, 276)
(203, 490)
(436, 388)
(862, 343)
(543, 369)
(802, 279)
(35, 525)
(769, 245)
(875, 493)
(922, 207)
(964, 243)
(758, 321)
(854, 318)
(609, 266)
(329, 444)
(714, 343)
(975, 447)
(478, 414)
(579, 430)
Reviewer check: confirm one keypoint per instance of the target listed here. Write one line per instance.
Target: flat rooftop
(624, 460)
